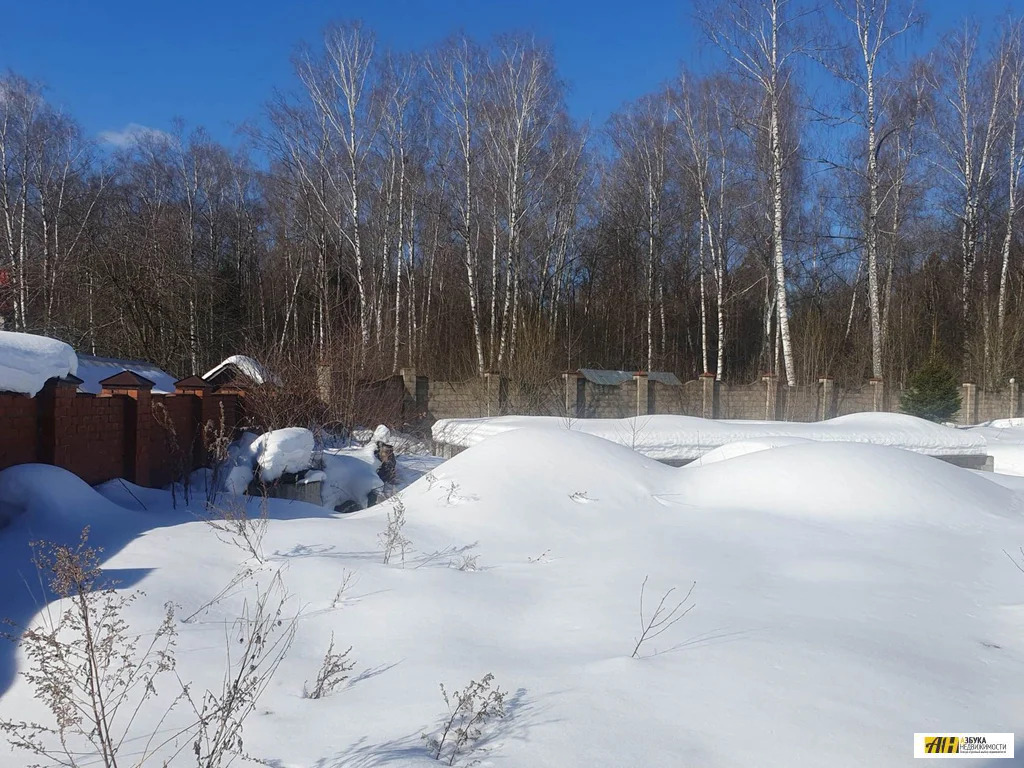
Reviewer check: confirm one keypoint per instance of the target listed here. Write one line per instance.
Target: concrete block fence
(571, 395)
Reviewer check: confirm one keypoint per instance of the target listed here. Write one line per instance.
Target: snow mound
(682, 438)
(743, 447)
(348, 478)
(283, 450)
(842, 480)
(27, 361)
(51, 494)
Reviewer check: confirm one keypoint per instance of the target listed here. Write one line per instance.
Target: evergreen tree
(933, 394)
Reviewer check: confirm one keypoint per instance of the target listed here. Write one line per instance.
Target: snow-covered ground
(683, 438)
(846, 596)
(1004, 441)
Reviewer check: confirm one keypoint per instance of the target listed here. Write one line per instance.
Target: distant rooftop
(92, 370)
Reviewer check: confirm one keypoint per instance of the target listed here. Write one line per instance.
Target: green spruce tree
(933, 393)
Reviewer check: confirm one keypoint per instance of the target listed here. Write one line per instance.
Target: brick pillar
(410, 404)
(496, 387)
(968, 404)
(771, 397)
(1014, 399)
(707, 396)
(55, 403)
(643, 400)
(826, 398)
(878, 399)
(203, 410)
(138, 423)
(575, 394)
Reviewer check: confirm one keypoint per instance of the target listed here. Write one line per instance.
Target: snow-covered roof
(28, 360)
(683, 438)
(615, 378)
(92, 370)
(244, 365)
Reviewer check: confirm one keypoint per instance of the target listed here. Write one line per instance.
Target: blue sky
(112, 64)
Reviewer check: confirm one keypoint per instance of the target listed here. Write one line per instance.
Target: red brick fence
(116, 433)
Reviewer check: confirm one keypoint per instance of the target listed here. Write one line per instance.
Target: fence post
(575, 394)
(771, 396)
(55, 402)
(707, 396)
(203, 410)
(642, 394)
(826, 398)
(1014, 399)
(497, 393)
(968, 404)
(138, 423)
(411, 405)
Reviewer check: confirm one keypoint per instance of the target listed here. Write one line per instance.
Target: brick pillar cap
(706, 375)
(875, 380)
(769, 376)
(639, 373)
(823, 379)
(126, 380)
(192, 382)
(572, 373)
(66, 381)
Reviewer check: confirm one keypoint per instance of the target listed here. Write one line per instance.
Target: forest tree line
(825, 201)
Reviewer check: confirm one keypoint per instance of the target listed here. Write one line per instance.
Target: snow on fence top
(27, 361)
(683, 438)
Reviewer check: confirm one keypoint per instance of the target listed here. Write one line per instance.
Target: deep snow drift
(27, 361)
(682, 438)
(846, 596)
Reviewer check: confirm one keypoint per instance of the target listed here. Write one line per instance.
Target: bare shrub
(96, 676)
(333, 672)
(180, 459)
(92, 672)
(229, 517)
(469, 712)
(664, 616)
(347, 582)
(255, 645)
(465, 563)
(217, 439)
(392, 538)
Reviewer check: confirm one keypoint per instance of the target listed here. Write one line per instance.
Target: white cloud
(132, 134)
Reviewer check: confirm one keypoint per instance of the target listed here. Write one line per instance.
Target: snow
(1004, 439)
(27, 361)
(92, 370)
(283, 450)
(247, 366)
(684, 438)
(348, 478)
(847, 595)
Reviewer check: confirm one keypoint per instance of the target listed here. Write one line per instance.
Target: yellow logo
(934, 745)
